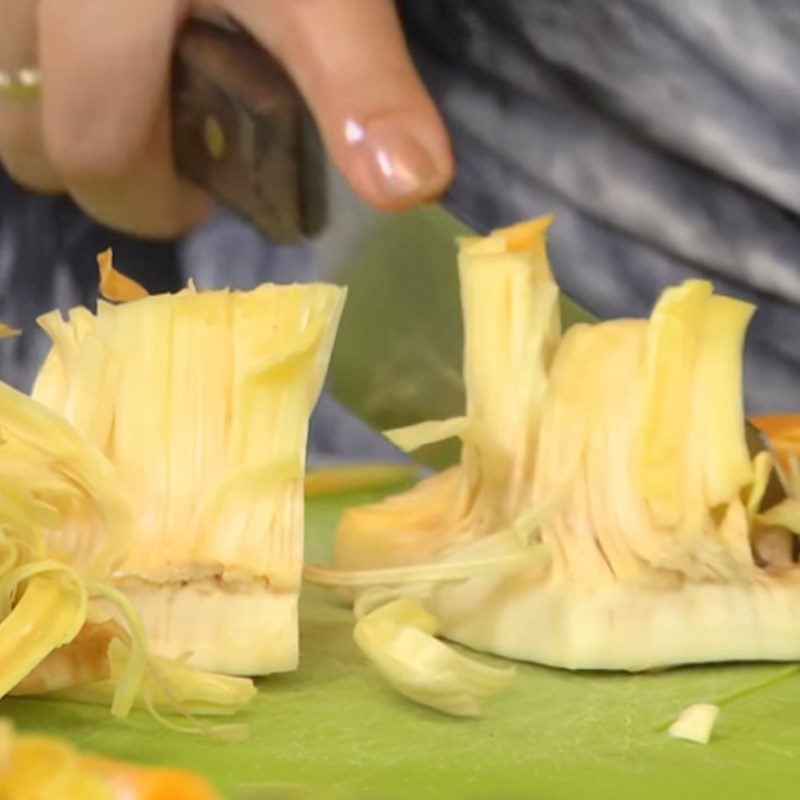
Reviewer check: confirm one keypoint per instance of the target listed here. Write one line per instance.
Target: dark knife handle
(242, 132)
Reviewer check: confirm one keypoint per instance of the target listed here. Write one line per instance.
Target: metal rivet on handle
(24, 84)
(214, 137)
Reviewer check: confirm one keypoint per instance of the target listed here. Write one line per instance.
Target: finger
(350, 61)
(22, 150)
(105, 111)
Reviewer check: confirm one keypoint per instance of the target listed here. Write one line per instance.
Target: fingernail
(394, 164)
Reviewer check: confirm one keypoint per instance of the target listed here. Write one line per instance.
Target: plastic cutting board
(332, 730)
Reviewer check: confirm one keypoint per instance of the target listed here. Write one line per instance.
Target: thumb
(350, 61)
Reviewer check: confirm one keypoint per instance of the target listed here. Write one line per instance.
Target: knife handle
(242, 132)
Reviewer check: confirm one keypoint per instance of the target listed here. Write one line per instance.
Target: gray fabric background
(666, 136)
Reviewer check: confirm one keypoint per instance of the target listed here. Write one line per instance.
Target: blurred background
(665, 136)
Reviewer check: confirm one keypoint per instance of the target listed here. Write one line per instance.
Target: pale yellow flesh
(621, 629)
(64, 524)
(625, 442)
(200, 401)
(695, 723)
(398, 638)
(257, 625)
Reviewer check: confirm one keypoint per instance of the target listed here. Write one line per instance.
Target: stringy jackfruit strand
(231, 733)
(413, 437)
(397, 635)
(44, 449)
(102, 693)
(436, 572)
(398, 639)
(372, 599)
(357, 478)
(49, 614)
(234, 732)
(14, 577)
(170, 685)
(194, 691)
(131, 679)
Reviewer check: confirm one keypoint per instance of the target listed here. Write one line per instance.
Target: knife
(242, 132)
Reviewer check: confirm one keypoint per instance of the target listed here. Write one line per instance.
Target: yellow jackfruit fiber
(197, 404)
(619, 448)
(65, 524)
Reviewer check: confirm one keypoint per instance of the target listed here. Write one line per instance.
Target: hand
(101, 129)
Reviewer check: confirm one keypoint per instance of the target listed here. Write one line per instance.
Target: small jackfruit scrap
(340, 479)
(619, 447)
(695, 723)
(7, 332)
(197, 404)
(399, 638)
(48, 768)
(114, 285)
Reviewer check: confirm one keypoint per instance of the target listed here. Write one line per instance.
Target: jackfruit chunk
(201, 401)
(508, 292)
(626, 441)
(65, 525)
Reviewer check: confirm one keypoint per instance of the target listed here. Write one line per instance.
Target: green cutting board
(332, 729)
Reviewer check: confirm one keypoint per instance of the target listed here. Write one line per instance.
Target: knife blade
(398, 353)
(242, 131)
